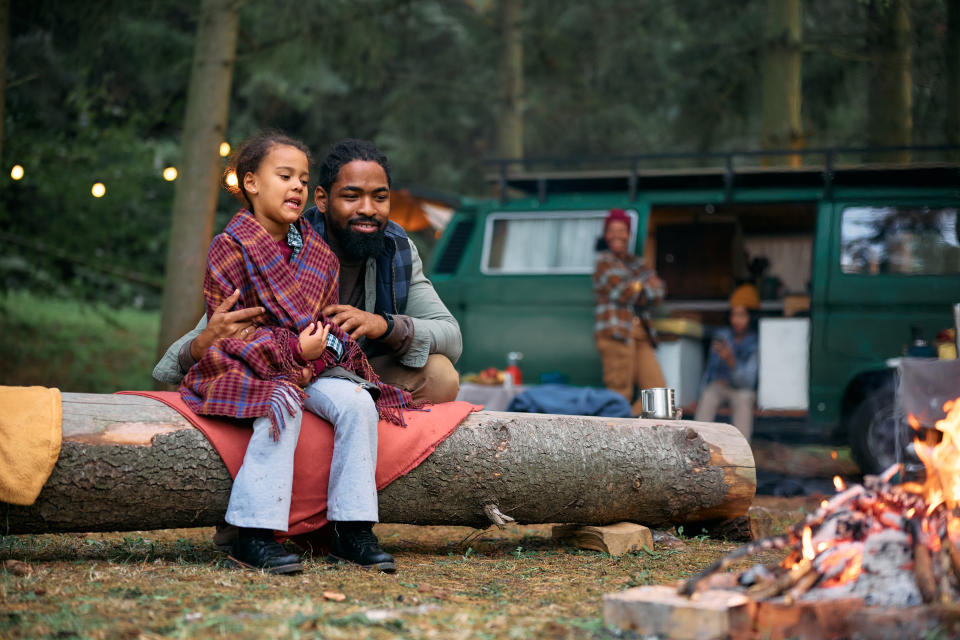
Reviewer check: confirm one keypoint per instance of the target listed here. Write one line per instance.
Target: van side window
(902, 240)
(560, 242)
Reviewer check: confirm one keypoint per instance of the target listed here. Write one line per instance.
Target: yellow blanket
(29, 441)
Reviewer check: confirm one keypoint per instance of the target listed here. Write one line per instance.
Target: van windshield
(901, 240)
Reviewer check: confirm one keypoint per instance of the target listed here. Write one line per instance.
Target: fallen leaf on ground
(333, 595)
(17, 568)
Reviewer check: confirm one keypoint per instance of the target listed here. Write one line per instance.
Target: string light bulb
(231, 179)
(16, 172)
(170, 174)
(224, 149)
(98, 190)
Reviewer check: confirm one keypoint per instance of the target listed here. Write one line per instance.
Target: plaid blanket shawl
(257, 377)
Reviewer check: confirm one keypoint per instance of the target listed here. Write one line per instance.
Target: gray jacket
(435, 330)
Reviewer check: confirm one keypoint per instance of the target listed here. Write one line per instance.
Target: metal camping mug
(659, 403)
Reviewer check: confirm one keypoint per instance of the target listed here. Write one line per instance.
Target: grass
(518, 583)
(74, 346)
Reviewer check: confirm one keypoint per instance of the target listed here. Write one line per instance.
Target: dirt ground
(453, 582)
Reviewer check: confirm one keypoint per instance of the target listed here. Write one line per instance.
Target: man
(386, 304)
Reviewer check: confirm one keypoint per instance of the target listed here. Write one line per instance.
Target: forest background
(101, 92)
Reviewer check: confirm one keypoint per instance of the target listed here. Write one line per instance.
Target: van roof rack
(931, 166)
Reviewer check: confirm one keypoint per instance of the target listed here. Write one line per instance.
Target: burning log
(952, 552)
(782, 582)
(923, 565)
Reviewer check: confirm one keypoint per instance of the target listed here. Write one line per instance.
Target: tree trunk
(132, 463)
(782, 96)
(890, 116)
(4, 44)
(953, 73)
(195, 199)
(510, 126)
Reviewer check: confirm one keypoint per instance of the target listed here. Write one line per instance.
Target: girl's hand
(313, 342)
(306, 375)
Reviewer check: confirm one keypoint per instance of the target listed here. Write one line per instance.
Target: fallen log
(131, 463)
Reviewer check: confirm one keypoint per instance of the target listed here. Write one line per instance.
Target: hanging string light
(98, 190)
(231, 179)
(224, 149)
(170, 174)
(16, 172)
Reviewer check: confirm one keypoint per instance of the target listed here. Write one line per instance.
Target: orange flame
(941, 459)
(807, 540)
(838, 483)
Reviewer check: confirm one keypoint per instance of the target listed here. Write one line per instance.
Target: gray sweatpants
(260, 497)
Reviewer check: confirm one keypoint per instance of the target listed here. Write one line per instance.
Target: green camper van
(862, 248)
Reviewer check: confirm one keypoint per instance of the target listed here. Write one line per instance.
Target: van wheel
(874, 429)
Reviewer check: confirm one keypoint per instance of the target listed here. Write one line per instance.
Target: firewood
(660, 611)
(615, 539)
(782, 582)
(923, 567)
(776, 542)
(802, 586)
(780, 619)
(953, 553)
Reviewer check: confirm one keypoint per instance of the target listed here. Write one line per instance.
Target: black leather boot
(257, 550)
(354, 542)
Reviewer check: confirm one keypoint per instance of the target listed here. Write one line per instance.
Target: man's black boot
(257, 550)
(355, 543)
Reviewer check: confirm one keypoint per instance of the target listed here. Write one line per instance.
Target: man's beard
(356, 244)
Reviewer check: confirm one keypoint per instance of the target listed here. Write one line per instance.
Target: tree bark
(890, 93)
(782, 96)
(510, 126)
(132, 463)
(4, 44)
(195, 198)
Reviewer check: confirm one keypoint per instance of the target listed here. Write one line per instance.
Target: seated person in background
(731, 373)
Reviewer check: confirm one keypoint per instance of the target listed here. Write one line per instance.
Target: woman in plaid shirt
(624, 286)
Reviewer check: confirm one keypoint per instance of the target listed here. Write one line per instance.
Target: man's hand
(313, 342)
(356, 322)
(226, 324)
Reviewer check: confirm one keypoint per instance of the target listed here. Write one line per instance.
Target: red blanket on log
(398, 452)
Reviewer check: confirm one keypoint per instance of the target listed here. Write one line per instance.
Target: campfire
(878, 560)
(889, 544)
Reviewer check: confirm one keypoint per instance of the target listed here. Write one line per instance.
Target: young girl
(279, 263)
